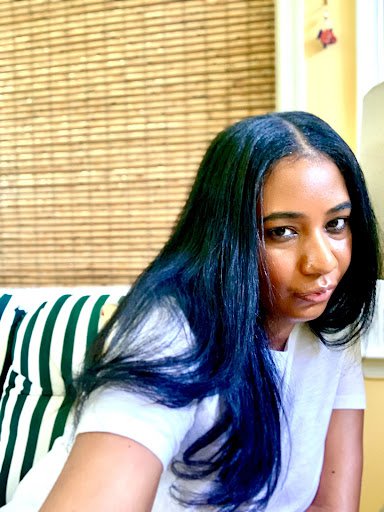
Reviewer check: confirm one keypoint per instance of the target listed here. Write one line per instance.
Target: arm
(106, 472)
(340, 481)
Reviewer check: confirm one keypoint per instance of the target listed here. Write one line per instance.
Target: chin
(308, 316)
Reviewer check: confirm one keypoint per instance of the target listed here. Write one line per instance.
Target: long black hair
(208, 274)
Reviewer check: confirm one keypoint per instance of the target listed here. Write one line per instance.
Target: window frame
(290, 57)
(369, 52)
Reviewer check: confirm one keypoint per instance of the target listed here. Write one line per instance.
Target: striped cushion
(47, 353)
(10, 317)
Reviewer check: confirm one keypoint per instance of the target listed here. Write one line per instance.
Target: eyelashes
(285, 233)
(280, 233)
(338, 225)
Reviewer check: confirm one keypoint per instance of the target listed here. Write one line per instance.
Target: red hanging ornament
(326, 35)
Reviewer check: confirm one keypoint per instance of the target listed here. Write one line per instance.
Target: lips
(316, 296)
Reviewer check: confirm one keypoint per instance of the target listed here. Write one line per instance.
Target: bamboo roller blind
(106, 110)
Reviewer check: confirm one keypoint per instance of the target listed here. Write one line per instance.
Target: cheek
(343, 253)
(280, 268)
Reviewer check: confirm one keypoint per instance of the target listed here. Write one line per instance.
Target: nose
(317, 256)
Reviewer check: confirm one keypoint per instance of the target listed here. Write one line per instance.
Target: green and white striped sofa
(44, 333)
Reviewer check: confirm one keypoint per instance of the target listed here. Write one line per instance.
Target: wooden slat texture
(107, 107)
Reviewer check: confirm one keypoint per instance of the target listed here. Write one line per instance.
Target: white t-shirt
(316, 381)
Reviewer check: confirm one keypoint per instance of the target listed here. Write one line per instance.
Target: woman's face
(308, 241)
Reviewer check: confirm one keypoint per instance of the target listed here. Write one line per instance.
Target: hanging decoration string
(326, 35)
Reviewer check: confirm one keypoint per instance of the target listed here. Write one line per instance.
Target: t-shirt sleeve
(159, 428)
(351, 391)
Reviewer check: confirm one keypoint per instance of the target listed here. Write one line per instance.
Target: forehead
(294, 184)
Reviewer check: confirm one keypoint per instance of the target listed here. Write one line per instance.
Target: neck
(278, 334)
(278, 344)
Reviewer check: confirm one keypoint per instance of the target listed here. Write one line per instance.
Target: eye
(280, 233)
(337, 225)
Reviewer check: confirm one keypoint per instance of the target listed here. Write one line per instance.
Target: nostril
(319, 261)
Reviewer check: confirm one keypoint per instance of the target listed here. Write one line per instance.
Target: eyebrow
(346, 205)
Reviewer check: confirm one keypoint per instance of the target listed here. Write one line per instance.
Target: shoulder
(307, 346)
(163, 331)
(313, 362)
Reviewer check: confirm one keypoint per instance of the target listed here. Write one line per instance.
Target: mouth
(316, 296)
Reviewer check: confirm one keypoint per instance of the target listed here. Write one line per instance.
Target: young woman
(228, 379)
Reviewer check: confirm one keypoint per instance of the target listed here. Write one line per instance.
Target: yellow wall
(372, 498)
(331, 94)
(330, 72)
